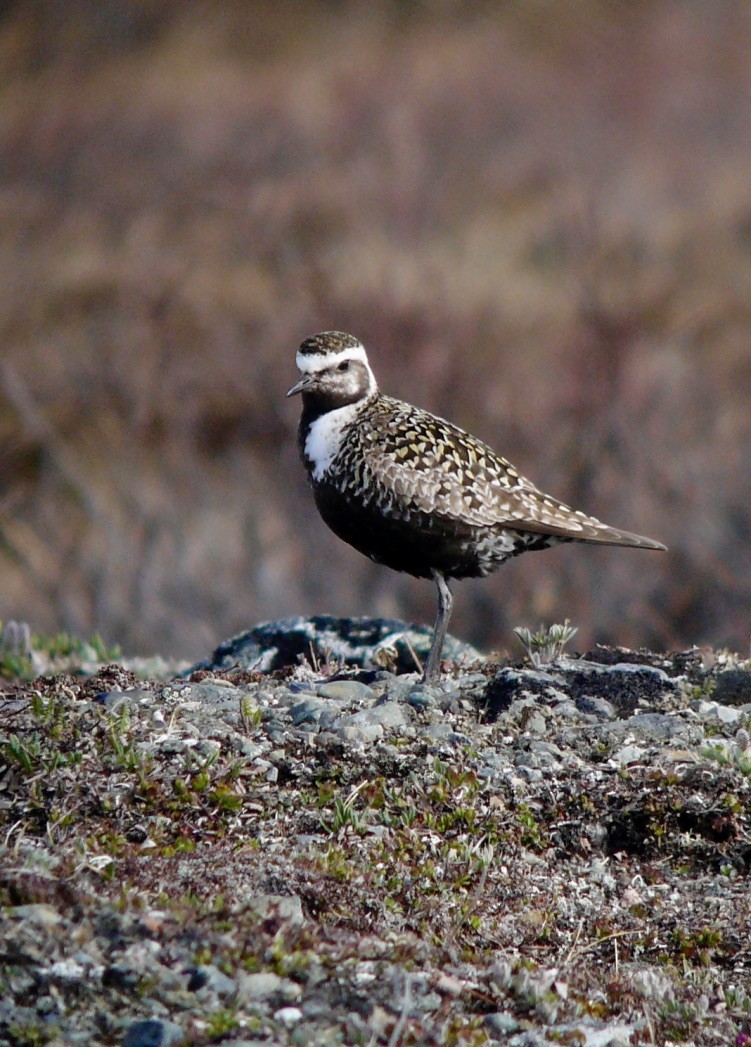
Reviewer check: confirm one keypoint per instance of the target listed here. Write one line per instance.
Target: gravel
(326, 855)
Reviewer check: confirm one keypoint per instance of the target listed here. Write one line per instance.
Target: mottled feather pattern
(415, 492)
(408, 460)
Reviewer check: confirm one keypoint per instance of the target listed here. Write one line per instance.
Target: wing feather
(424, 464)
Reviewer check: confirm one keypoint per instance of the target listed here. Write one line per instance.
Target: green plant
(127, 756)
(27, 753)
(250, 714)
(546, 645)
(344, 816)
(220, 1023)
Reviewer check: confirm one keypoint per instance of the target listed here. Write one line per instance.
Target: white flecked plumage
(412, 490)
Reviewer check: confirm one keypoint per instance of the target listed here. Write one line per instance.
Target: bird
(415, 492)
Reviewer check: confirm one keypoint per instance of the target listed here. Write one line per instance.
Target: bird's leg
(445, 600)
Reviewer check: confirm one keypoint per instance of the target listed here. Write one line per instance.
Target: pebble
(40, 914)
(153, 1033)
(596, 708)
(257, 986)
(346, 691)
(535, 724)
(287, 907)
(628, 754)
(364, 735)
(714, 711)
(653, 727)
(208, 979)
(420, 698)
(288, 1015)
(218, 695)
(449, 985)
(733, 687)
(439, 732)
(386, 714)
(310, 710)
(116, 700)
(501, 1022)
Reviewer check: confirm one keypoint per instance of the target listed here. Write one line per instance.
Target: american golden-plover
(415, 492)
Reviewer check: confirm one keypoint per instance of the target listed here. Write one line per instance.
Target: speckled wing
(427, 465)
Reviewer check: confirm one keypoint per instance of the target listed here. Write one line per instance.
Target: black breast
(416, 544)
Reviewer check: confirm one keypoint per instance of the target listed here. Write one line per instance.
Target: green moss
(220, 1023)
(33, 1034)
(225, 798)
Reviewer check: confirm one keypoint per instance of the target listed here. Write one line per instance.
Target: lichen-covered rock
(361, 642)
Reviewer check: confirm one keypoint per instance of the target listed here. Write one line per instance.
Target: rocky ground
(299, 852)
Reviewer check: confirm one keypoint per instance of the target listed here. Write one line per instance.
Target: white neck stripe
(312, 363)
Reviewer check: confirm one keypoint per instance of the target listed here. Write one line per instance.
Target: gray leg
(445, 600)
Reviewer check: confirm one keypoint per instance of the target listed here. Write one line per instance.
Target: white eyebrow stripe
(312, 363)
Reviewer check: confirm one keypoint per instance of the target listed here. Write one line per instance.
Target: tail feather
(581, 528)
(614, 536)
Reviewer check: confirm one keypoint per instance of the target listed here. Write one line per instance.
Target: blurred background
(535, 214)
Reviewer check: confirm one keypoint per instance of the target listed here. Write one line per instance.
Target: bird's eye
(343, 366)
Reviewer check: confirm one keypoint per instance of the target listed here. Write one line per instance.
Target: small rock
(600, 873)
(530, 774)
(40, 914)
(535, 724)
(286, 907)
(210, 978)
(449, 985)
(257, 986)
(502, 1022)
(628, 754)
(115, 700)
(364, 735)
(733, 687)
(438, 733)
(652, 727)
(288, 1015)
(715, 711)
(153, 1033)
(346, 691)
(309, 710)
(599, 708)
(387, 714)
(379, 1022)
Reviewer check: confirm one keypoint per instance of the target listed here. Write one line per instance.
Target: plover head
(334, 371)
